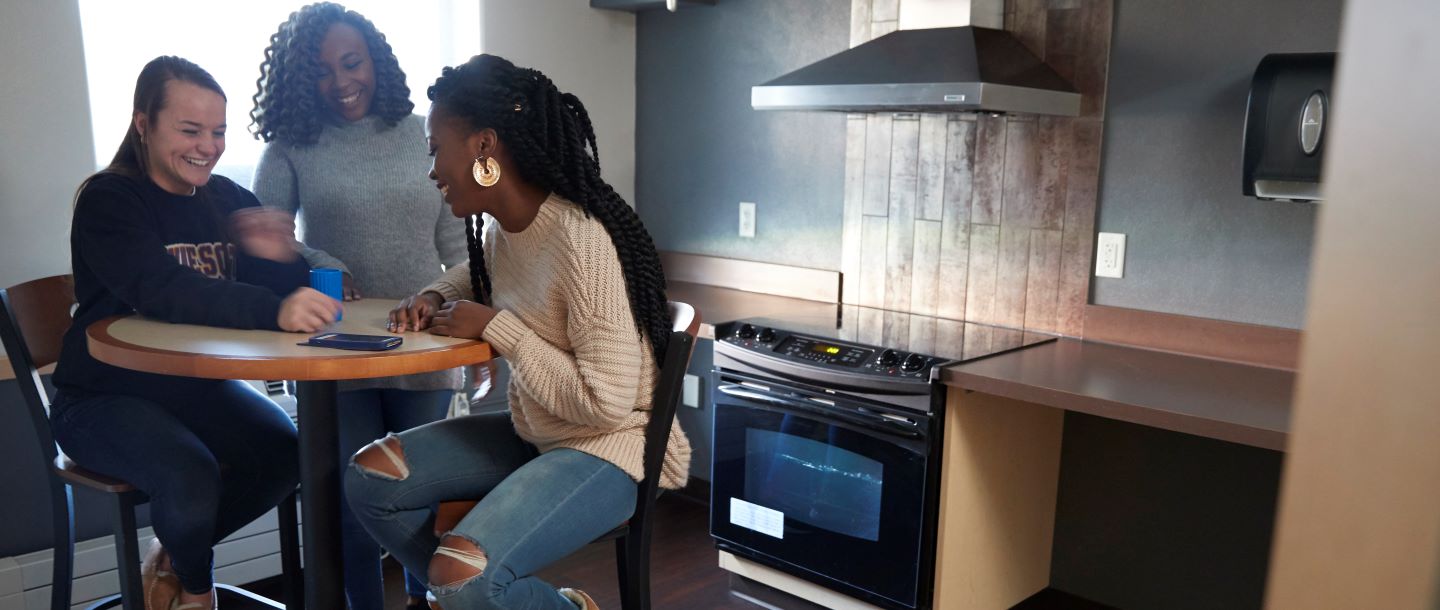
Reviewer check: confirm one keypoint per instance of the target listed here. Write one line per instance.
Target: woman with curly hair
(567, 286)
(346, 154)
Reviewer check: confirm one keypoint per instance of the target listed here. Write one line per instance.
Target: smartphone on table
(369, 343)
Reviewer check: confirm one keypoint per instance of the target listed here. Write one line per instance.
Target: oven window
(814, 482)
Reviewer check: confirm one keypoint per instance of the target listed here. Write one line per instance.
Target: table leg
(320, 494)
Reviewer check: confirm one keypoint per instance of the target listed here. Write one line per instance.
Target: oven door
(829, 489)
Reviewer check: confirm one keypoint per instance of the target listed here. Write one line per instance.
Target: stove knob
(914, 362)
(746, 331)
(889, 357)
(767, 335)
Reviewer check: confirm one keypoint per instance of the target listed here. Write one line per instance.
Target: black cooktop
(870, 343)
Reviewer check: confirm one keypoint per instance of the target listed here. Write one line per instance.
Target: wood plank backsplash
(982, 217)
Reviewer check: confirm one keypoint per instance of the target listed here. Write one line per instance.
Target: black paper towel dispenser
(1286, 125)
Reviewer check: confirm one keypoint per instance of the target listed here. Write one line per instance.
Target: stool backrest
(33, 319)
(684, 330)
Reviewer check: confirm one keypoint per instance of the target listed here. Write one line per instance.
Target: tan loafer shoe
(162, 587)
(579, 598)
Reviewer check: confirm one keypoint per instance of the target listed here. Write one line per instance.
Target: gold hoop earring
(486, 173)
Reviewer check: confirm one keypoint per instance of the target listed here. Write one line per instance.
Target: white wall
(45, 137)
(588, 52)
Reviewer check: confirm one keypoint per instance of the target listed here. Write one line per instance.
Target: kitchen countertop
(1232, 402)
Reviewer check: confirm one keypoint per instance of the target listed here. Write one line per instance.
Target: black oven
(824, 486)
(827, 447)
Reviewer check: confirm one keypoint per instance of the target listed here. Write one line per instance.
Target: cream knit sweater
(581, 375)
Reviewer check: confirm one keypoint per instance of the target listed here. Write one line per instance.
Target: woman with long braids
(346, 153)
(567, 286)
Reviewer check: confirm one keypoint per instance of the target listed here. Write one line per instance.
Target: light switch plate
(1110, 255)
(747, 219)
(690, 394)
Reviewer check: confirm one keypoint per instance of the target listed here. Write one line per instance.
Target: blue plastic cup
(330, 282)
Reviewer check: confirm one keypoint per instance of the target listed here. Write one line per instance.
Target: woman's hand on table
(266, 233)
(307, 310)
(414, 312)
(462, 319)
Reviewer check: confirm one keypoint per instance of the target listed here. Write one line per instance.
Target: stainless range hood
(939, 69)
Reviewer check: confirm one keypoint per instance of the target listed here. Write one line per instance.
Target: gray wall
(699, 423)
(700, 149)
(1170, 173)
(1156, 519)
(1149, 518)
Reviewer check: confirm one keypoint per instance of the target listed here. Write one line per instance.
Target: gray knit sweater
(365, 204)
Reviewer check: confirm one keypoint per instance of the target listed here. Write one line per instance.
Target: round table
(136, 343)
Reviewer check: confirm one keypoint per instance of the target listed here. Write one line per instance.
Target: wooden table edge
(332, 367)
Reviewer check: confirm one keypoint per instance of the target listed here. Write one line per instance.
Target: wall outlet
(747, 219)
(690, 394)
(1110, 255)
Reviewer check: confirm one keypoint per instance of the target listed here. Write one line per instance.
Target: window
(228, 39)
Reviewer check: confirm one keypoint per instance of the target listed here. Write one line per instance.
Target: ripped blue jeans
(536, 508)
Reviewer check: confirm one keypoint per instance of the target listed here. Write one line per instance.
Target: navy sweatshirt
(136, 248)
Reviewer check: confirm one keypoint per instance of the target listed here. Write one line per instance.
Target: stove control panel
(827, 353)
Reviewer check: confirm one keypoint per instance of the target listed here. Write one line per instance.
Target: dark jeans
(210, 462)
(365, 415)
(535, 509)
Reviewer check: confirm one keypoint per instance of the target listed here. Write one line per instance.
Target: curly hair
(547, 133)
(287, 103)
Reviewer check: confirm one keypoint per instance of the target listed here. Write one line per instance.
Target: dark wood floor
(684, 567)
(684, 571)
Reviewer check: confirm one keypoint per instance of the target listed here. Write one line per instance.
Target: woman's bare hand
(266, 233)
(414, 312)
(348, 288)
(463, 319)
(307, 310)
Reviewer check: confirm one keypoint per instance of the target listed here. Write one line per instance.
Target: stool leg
(62, 523)
(292, 584)
(127, 553)
(632, 560)
(622, 565)
(638, 571)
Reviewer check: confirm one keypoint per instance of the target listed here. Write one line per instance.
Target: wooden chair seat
(75, 474)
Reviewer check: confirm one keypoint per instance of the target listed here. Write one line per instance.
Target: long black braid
(552, 141)
(479, 278)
